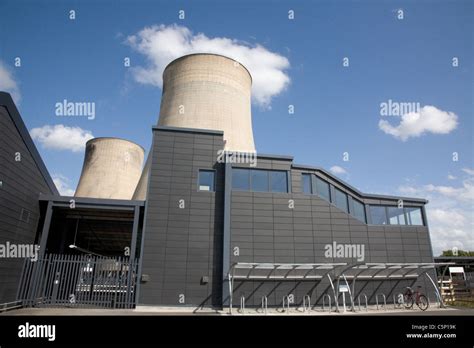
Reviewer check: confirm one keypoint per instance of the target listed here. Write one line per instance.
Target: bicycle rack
(242, 304)
(264, 304)
(366, 304)
(384, 301)
(306, 297)
(287, 298)
(395, 301)
(324, 303)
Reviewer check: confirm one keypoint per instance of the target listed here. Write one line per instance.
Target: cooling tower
(209, 91)
(206, 91)
(111, 169)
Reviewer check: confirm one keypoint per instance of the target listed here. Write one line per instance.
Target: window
(359, 210)
(378, 215)
(259, 180)
(396, 216)
(306, 182)
(278, 181)
(206, 180)
(341, 200)
(322, 188)
(414, 216)
(241, 179)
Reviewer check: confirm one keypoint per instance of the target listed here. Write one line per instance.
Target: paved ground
(249, 312)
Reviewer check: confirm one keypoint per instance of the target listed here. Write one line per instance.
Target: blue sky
(337, 109)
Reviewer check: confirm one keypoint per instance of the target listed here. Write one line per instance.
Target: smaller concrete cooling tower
(111, 169)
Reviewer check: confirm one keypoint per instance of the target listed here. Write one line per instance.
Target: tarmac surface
(176, 311)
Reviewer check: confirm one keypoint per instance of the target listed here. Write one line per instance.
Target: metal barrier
(324, 303)
(306, 297)
(264, 304)
(384, 301)
(242, 304)
(366, 302)
(287, 298)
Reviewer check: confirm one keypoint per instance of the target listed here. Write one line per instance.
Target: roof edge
(7, 101)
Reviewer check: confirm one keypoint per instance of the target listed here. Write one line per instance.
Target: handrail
(287, 298)
(242, 304)
(384, 301)
(264, 304)
(306, 297)
(329, 297)
(366, 303)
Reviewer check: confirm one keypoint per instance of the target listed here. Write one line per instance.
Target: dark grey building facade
(270, 211)
(23, 177)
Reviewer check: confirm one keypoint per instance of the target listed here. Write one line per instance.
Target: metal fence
(78, 281)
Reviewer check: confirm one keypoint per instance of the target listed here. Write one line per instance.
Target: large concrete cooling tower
(111, 169)
(207, 91)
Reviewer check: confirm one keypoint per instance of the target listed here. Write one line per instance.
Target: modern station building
(205, 220)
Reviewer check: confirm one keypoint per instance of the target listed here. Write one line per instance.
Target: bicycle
(410, 297)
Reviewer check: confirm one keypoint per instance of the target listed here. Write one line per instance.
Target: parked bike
(410, 297)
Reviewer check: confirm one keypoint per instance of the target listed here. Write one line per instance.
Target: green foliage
(460, 253)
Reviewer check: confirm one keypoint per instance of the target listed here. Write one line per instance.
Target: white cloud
(161, 44)
(8, 83)
(62, 184)
(60, 137)
(428, 119)
(451, 177)
(337, 170)
(450, 213)
(468, 171)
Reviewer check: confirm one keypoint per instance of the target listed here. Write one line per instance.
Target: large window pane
(322, 188)
(378, 215)
(341, 200)
(206, 180)
(306, 182)
(259, 180)
(414, 215)
(278, 181)
(241, 179)
(396, 216)
(359, 210)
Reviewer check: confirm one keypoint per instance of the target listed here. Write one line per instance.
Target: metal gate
(78, 281)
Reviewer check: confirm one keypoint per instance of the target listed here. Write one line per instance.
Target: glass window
(259, 180)
(378, 215)
(241, 179)
(322, 188)
(206, 180)
(341, 200)
(306, 182)
(396, 216)
(359, 210)
(414, 215)
(278, 181)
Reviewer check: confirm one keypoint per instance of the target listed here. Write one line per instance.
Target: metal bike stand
(395, 301)
(329, 298)
(384, 301)
(287, 300)
(264, 304)
(242, 304)
(366, 304)
(308, 299)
